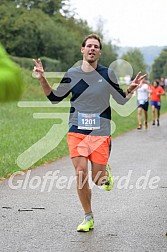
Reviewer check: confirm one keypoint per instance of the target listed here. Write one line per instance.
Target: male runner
(89, 123)
(143, 103)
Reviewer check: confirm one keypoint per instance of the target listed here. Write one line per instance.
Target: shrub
(50, 65)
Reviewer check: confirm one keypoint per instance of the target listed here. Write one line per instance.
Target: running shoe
(139, 127)
(86, 225)
(158, 123)
(108, 186)
(146, 125)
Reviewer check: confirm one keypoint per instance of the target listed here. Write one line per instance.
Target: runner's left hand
(136, 83)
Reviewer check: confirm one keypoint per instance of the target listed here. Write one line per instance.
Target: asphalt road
(40, 210)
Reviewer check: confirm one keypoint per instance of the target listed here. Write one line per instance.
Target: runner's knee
(81, 171)
(99, 178)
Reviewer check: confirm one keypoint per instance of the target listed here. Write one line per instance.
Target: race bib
(88, 121)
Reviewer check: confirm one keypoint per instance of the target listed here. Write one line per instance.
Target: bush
(26, 63)
(50, 65)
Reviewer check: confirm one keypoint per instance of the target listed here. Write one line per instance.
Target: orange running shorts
(95, 148)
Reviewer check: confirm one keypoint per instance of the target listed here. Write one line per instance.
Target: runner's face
(91, 52)
(155, 84)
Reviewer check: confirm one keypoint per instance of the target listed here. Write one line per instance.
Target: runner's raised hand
(38, 68)
(136, 83)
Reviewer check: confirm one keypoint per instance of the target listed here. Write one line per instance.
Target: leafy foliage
(108, 54)
(159, 67)
(50, 7)
(136, 59)
(45, 28)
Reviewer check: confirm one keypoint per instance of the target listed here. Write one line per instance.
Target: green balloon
(11, 79)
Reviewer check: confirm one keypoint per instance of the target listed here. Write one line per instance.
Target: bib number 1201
(88, 121)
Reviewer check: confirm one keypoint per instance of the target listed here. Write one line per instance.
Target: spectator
(162, 83)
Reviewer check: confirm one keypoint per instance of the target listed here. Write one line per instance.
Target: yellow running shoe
(86, 225)
(108, 186)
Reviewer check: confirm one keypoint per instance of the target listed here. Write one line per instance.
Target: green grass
(19, 130)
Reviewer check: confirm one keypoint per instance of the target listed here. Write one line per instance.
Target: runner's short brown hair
(92, 36)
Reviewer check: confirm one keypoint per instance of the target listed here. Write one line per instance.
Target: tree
(8, 15)
(30, 30)
(165, 71)
(62, 45)
(50, 7)
(136, 59)
(21, 33)
(159, 67)
(108, 54)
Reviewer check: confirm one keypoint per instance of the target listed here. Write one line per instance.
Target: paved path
(132, 217)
